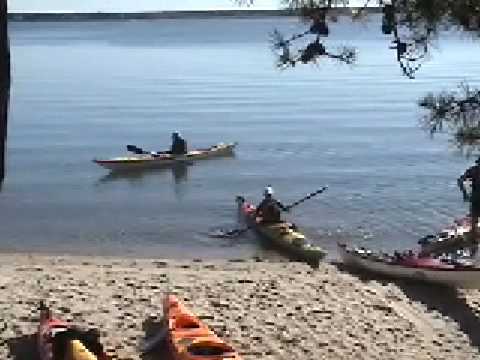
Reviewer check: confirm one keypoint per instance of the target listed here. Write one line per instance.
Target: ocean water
(83, 90)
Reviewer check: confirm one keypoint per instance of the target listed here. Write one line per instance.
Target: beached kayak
(189, 338)
(283, 236)
(142, 161)
(408, 266)
(451, 238)
(58, 340)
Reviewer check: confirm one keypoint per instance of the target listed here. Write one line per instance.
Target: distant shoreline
(53, 16)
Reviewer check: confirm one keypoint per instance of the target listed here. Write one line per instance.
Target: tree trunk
(4, 84)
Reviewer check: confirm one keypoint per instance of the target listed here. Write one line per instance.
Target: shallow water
(86, 89)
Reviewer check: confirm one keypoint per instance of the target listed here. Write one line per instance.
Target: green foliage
(457, 112)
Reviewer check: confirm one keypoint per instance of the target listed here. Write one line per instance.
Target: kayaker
(179, 145)
(473, 174)
(269, 209)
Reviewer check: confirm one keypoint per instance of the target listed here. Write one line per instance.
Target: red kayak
(422, 262)
(58, 340)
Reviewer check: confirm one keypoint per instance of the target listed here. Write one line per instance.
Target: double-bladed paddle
(309, 196)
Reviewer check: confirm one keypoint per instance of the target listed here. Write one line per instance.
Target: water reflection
(179, 173)
(180, 176)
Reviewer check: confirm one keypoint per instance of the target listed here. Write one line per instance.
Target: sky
(131, 5)
(135, 5)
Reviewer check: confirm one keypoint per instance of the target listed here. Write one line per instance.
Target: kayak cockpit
(211, 348)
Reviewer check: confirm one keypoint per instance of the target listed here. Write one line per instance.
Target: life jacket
(179, 146)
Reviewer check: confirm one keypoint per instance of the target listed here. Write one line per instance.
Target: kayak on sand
(412, 267)
(141, 160)
(282, 235)
(449, 239)
(189, 338)
(58, 340)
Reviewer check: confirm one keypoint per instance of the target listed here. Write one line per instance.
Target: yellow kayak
(282, 235)
(164, 160)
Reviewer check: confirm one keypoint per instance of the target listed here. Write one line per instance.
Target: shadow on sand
(153, 327)
(24, 347)
(446, 300)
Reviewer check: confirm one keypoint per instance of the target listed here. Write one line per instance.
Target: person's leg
(474, 214)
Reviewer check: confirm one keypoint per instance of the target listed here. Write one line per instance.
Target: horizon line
(163, 11)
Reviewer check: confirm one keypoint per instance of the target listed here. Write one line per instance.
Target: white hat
(268, 190)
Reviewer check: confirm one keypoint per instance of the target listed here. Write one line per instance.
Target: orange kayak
(58, 340)
(189, 338)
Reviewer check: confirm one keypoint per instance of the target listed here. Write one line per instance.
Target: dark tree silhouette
(410, 26)
(314, 14)
(457, 112)
(4, 85)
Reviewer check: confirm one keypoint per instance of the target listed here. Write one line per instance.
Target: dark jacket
(473, 174)
(179, 146)
(270, 210)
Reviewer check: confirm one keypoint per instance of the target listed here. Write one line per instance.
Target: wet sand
(265, 310)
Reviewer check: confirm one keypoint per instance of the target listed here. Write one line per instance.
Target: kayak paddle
(309, 196)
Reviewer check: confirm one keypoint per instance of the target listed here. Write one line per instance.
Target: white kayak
(433, 270)
(450, 238)
(163, 160)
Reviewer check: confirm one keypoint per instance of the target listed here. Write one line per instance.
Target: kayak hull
(424, 270)
(283, 236)
(188, 338)
(147, 161)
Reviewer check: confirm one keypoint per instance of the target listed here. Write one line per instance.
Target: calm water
(84, 90)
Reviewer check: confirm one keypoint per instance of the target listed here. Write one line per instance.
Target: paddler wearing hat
(268, 211)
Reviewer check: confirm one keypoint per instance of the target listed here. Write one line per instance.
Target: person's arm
(281, 206)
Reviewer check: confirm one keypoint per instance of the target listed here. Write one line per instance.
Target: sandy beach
(266, 310)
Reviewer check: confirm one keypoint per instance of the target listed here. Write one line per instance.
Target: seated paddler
(269, 210)
(179, 145)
